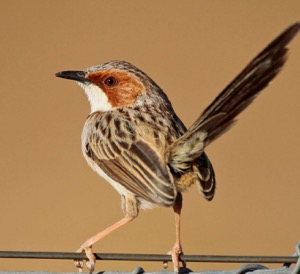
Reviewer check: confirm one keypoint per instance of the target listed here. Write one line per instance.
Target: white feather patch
(97, 98)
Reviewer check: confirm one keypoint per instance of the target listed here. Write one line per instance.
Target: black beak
(73, 75)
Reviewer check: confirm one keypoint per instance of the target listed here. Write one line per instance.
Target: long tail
(220, 115)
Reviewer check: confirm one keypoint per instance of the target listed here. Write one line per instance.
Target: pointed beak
(78, 76)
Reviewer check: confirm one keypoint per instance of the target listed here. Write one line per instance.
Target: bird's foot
(175, 254)
(90, 264)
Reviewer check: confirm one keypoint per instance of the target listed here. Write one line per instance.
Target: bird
(134, 139)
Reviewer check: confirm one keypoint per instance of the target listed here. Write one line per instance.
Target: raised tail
(220, 115)
(241, 92)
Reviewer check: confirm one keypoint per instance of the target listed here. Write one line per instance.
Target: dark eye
(111, 81)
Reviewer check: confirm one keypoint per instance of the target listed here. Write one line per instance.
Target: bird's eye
(111, 81)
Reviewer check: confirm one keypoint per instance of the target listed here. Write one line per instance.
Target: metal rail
(148, 257)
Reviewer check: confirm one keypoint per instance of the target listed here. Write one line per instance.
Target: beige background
(52, 201)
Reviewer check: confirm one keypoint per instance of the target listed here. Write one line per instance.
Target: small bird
(134, 139)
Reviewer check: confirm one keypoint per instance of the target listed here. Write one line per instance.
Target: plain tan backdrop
(52, 201)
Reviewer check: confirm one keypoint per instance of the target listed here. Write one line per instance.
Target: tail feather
(220, 115)
(191, 145)
(188, 150)
(207, 177)
(241, 92)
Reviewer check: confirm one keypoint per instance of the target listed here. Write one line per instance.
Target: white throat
(97, 98)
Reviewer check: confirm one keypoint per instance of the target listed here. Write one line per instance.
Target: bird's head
(111, 85)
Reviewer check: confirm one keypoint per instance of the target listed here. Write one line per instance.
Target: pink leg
(177, 249)
(86, 247)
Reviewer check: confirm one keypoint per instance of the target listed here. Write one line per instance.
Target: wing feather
(134, 162)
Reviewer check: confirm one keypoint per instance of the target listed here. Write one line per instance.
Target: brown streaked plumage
(134, 139)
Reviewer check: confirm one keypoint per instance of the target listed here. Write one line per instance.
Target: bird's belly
(143, 204)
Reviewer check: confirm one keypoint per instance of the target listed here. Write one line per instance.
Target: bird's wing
(134, 162)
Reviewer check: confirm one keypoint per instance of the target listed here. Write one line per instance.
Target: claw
(79, 265)
(165, 264)
(90, 264)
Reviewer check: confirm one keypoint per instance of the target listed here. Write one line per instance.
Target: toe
(175, 253)
(90, 264)
(79, 263)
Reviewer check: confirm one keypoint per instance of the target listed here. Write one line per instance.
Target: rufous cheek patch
(126, 90)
